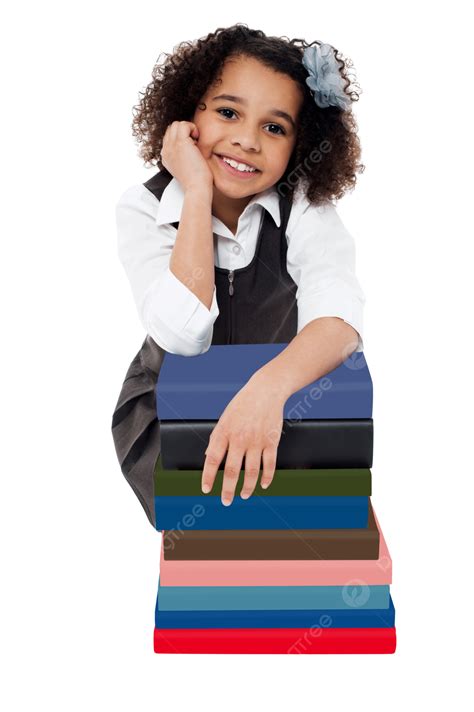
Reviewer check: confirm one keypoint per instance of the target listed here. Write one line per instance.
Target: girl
(235, 239)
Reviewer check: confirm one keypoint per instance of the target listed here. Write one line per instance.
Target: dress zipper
(230, 276)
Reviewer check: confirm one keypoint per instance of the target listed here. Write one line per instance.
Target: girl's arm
(192, 259)
(321, 260)
(251, 425)
(171, 313)
(176, 302)
(321, 346)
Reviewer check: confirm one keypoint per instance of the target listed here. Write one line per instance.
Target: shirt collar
(171, 203)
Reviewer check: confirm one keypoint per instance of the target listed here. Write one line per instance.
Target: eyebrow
(240, 100)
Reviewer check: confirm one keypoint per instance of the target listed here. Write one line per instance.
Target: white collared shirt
(320, 260)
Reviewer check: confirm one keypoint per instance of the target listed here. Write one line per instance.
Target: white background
(80, 560)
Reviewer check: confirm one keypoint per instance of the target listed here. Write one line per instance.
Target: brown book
(273, 544)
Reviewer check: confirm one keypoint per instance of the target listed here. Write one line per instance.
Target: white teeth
(239, 166)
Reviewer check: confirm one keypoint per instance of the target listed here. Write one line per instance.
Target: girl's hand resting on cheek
(249, 427)
(182, 157)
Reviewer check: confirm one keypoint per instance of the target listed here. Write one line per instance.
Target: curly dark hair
(326, 155)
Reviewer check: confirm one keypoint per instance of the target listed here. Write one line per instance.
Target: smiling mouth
(246, 174)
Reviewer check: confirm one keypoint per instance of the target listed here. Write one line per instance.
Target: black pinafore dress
(257, 305)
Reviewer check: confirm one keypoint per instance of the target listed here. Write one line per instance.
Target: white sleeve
(321, 261)
(170, 312)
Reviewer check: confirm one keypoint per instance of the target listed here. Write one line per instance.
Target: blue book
(264, 598)
(303, 618)
(200, 387)
(260, 512)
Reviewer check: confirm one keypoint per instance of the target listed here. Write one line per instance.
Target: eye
(281, 130)
(278, 127)
(231, 111)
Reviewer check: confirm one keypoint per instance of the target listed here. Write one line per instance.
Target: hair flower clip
(325, 78)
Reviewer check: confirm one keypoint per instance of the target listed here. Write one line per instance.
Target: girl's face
(255, 123)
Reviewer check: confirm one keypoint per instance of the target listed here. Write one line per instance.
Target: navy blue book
(303, 618)
(261, 512)
(200, 387)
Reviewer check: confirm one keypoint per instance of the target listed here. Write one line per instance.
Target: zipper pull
(231, 279)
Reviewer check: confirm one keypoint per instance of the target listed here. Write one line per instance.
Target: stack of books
(299, 567)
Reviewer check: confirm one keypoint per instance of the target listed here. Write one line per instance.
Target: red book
(303, 641)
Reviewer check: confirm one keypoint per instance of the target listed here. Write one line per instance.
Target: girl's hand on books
(182, 157)
(249, 427)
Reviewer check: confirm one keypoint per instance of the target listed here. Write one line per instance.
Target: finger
(269, 465)
(171, 130)
(185, 128)
(233, 465)
(252, 469)
(215, 453)
(169, 137)
(174, 133)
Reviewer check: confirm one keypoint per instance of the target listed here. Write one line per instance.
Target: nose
(247, 137)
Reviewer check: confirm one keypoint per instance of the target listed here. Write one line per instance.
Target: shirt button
(236, 249)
